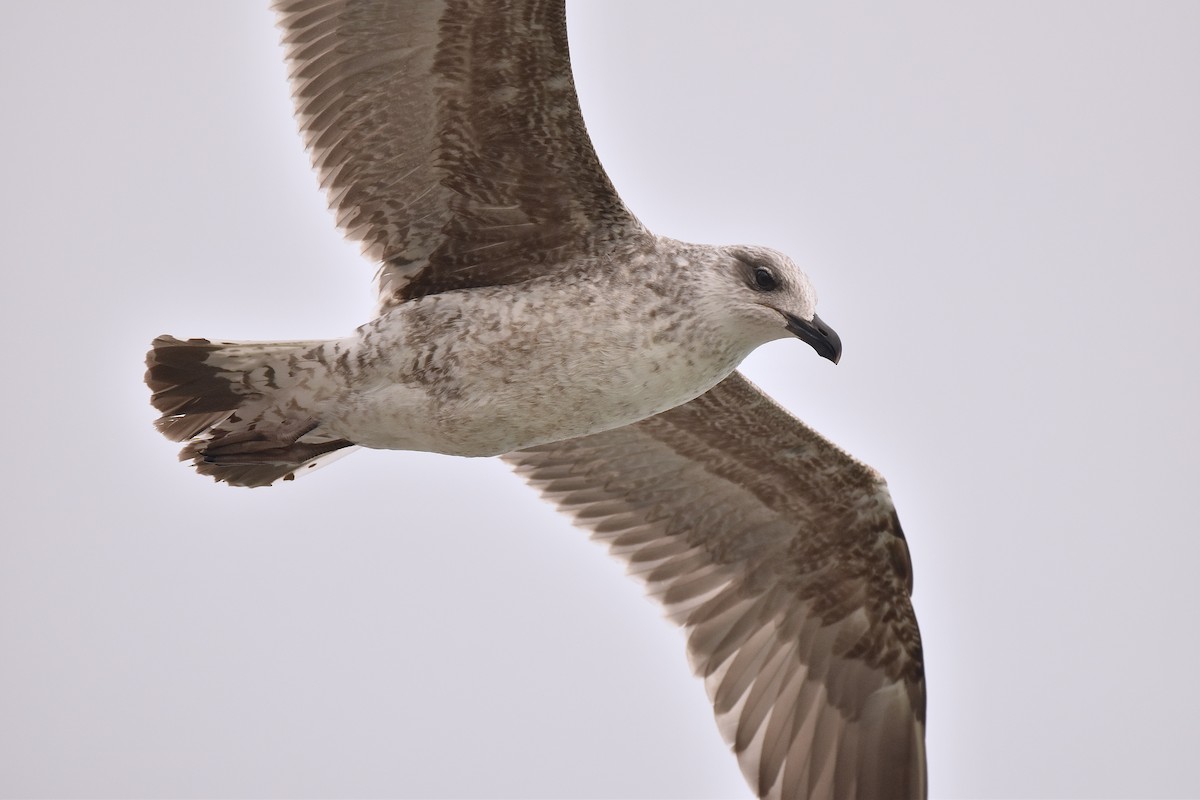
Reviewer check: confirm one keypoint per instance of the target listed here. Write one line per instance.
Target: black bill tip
(819, 336)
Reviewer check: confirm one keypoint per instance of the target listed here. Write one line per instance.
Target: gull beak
(820, 336)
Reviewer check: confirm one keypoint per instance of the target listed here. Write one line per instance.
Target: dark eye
(764, 279)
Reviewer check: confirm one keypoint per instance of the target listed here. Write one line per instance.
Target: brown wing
(449, 139)
(784, 561)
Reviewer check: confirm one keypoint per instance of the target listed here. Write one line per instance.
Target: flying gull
(525, 312)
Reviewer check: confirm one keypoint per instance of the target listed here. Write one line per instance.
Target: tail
(239, 406)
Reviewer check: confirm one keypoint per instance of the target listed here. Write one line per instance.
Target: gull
(525, 312)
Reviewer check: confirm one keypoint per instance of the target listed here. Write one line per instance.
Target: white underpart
(491, 370)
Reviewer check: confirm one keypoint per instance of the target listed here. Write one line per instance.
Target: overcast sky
(999, 204)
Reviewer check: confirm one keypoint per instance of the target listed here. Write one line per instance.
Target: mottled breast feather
(448, 137)
(784, 561)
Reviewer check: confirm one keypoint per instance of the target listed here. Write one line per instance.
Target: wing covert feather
(448, 137)
(784, 561)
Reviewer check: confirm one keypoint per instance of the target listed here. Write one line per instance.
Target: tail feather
(184, 427)
(263, 472)
(232, 403)
(186, 389)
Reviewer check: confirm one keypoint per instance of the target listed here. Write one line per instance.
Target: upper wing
(449, 138)
(784, 561)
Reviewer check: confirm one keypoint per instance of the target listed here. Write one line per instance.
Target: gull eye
(764, 280)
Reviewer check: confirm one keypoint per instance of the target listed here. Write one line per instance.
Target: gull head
(773, 298)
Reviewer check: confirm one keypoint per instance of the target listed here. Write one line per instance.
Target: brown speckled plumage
(784, 561)
(523, 308)
(449, 139)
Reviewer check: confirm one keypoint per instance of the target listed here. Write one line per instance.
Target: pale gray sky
(1000, 206)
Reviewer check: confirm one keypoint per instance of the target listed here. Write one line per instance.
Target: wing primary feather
(800, 627)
